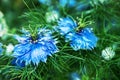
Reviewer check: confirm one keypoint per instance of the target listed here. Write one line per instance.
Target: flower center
(82, 23)
(34, 38)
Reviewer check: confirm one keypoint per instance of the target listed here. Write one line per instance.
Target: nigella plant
(34, 48)
(79, 38)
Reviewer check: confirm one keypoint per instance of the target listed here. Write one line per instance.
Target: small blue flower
(35, 49)
(65, 25)
(84, 39)
(70, 3)
(1, 50)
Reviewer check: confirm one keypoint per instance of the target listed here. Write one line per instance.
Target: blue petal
(51, 47)
(21, 49)
(69, 36)
(23, 39)
(65, 25)
(18, 63)
(38, 54)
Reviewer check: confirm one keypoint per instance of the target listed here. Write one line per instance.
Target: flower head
(83, 38)
(108, 53)
(35, 49)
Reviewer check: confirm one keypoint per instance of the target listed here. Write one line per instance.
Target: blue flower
(84, 39)
(35, 49)
(65, 25)
(1, 50)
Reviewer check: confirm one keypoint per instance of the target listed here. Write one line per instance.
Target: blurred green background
(13, 9)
